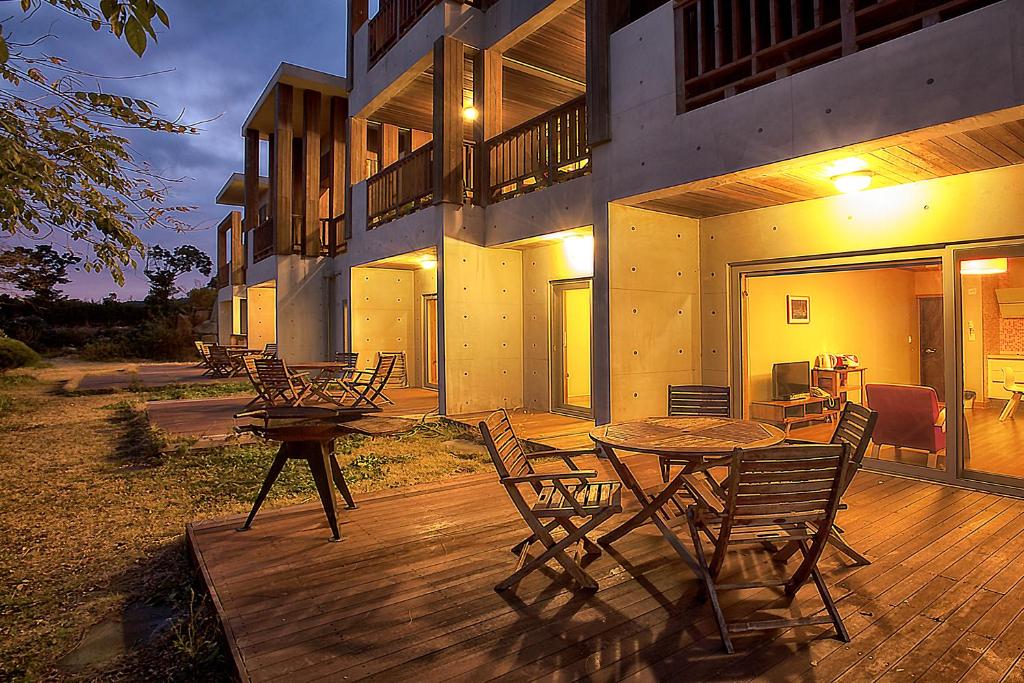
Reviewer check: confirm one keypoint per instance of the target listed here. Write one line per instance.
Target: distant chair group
(276, 385)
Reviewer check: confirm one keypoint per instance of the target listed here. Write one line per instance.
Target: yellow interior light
(848, 183)
(579, 252)
(984, 266)
(428, 263)
(470, 113)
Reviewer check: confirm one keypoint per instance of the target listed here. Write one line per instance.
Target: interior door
(571, 347)
(933, 345)
(430, 340)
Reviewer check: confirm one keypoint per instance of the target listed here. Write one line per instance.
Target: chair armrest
(565, 454)
(940, 421)
(540, 477)
(801, 442)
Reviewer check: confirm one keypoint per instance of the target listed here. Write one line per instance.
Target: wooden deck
(543, 430)
(211, 420)
(407, 595)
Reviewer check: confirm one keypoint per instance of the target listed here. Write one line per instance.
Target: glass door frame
(996, 483)
(556, 377)
(738, 342)
(427, 336)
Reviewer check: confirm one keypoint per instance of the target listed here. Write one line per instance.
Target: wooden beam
(336, 158)
(449, 68)
(388, 144)
(550, 76)
(311, 101)
(488, 98)
(281, 171)
(356, 150)
(420, 138)
(602, 17)
(237, 250)
(358, 13)
(222, 245)
(252, 178)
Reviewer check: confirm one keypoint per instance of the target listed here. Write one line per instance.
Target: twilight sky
(221, 54)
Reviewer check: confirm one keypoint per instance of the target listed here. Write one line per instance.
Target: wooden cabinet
(788, 413)
(839, 383)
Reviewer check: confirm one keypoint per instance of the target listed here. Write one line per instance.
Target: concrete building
(569, 205)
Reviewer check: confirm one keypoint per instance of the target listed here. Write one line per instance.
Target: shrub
(16, 354)
(107, 349)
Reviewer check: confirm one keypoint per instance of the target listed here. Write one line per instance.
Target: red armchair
(908, 417)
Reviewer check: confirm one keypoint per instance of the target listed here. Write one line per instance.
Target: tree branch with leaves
(66, 163)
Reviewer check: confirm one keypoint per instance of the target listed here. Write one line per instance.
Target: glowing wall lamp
(984, 266)
(470, 113)
(579, 252)
(850, 175)
(428, 263)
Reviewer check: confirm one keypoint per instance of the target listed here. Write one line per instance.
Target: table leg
(275, 469)
(318, 457)
(339, 481)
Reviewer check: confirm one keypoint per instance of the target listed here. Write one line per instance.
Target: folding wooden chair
(281, 387)
(348, 359)
(560, 497)
(366, 387)
(204, 356)
(694, 400)
(253, 373)
(782, 493)
(400, 376)
(270, 351)
(855, 426)
(221, 362)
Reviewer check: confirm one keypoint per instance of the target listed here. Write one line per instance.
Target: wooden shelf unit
(837, 383)
(785, 414)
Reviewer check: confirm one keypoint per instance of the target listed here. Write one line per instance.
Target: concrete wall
(975, 206)
(928, 77)
(481, 306)
(383, 313)
(870, 313)
(654, 315)
(224, 322)
(302, 312)
(262, 306)
(541, 266)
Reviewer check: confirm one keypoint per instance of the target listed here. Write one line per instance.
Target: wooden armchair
(855, 427)
(279, 386)
(204, 356)
(253, 373)
(784, 493)
(559, 497)
(270, 351)
(694, 400)
(221, 363)
(366, 387)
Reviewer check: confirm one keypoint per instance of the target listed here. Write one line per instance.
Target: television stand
(785, 414)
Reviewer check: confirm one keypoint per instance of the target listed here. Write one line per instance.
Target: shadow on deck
(407, 594)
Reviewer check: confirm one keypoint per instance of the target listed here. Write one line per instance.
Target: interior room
(394, 309)
(814, 340)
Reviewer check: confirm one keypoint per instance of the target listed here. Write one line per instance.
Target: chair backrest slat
(696, 400)
(348, 359)
(508, 457)
(270, 350)
(277, 382)
(855, 427)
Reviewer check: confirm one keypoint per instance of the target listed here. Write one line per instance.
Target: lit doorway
(571, 347)
(430, 340)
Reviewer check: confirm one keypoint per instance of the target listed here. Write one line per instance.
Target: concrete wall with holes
(302, 312)
(383, 313)
(928, 77)
(542, 265)
(262, 314)
(224, 322)
(654, 308)
(482, 313)
(974, 206)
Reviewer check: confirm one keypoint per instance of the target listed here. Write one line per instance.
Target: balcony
(263, 241)
(543, 151)
(332, 235)
(408, 184)
(394, 19)
(730, 46)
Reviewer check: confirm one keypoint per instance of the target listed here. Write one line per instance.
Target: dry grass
(93, 519)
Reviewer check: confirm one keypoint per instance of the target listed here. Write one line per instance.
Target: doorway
(933, 344)
(571, 347)
(430, 369)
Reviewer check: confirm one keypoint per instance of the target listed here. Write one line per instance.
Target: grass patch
(172, 392)
(9, 381)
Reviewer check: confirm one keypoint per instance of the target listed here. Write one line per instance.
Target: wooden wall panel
(281, 183)
(449, 72)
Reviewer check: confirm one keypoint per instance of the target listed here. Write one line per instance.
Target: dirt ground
(94, 579)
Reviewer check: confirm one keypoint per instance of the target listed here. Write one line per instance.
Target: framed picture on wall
(798, 309)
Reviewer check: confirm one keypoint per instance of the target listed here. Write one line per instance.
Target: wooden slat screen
(263, 240)
(726, 47)
(548, 149)
(401, 188)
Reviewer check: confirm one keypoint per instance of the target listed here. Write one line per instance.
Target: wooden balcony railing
(729, 46)
(332, 235)
(394, 18)
(402, 187)
(263, 240)
(548, 149)
(469, 162)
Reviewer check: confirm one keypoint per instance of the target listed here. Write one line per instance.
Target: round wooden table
(308, 433)
(695, 443)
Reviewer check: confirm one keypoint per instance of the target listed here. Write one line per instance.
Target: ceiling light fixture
(470, 113)
(984, 266)
(848, 183)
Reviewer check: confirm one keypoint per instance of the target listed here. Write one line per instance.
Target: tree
(65, 161)
(36, 273)
(163, 267)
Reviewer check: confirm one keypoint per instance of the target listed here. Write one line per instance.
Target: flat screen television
(791, 380)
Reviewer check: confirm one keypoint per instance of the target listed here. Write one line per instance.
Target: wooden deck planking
(547, 430)
(408, 594)
(211, 420)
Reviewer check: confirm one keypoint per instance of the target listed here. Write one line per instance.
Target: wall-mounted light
(470, 113)
(984, 266)
(848, 183)
(428, 263)
(579, 252)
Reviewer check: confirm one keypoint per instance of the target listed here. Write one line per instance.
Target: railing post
(282, 168)
(449, 56)
(848, 26)
(552, 157)
(487, 98)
